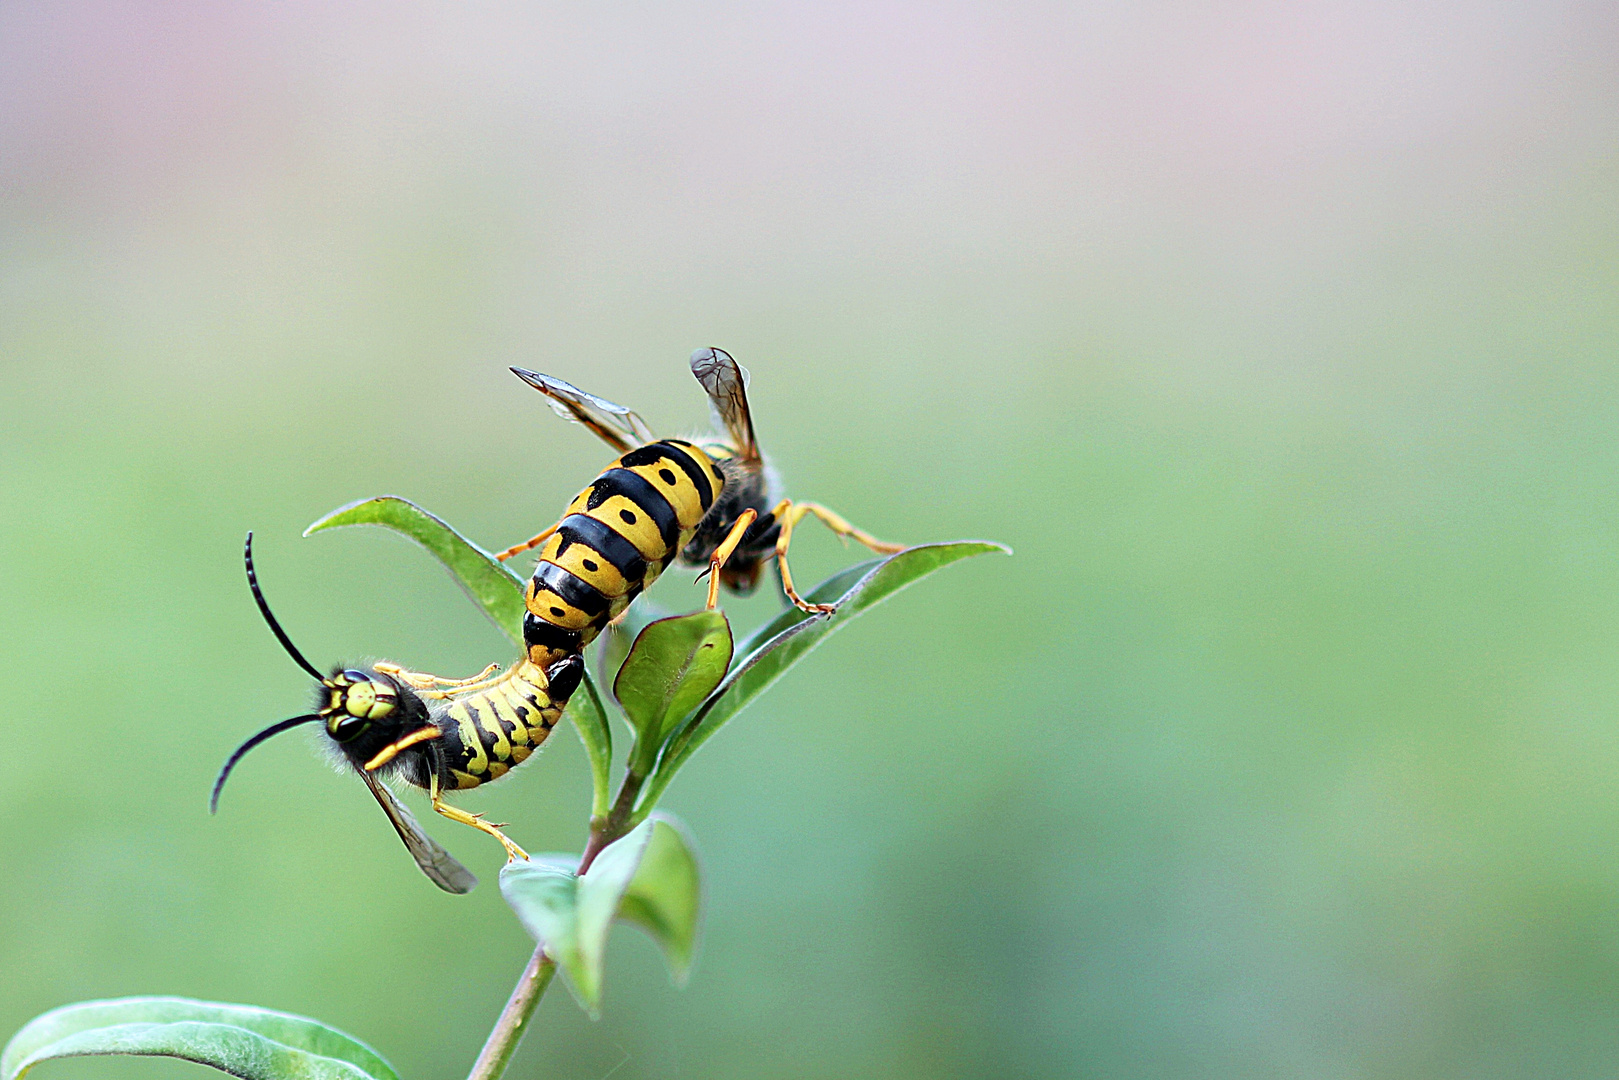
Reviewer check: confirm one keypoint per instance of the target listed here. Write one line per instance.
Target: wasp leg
(428, 684)
(455, 813)
(532, 542)
(724, 552)
(846, 531)
(789, 513)
(391, 751)
(420, 680)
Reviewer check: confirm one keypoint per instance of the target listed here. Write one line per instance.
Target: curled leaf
(253, 1043)
(571, 916)
(649, 877)
(665, 898)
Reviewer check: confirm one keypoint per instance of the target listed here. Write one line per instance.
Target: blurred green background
(1278, 340)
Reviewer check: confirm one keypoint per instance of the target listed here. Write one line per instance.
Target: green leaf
(492, 587)
(666, 895)
(792, 635)
(544, 893)
(600, 891)
(571, 916)
(674, 664)
(257, 1044)
(590, 720)
(613, 647)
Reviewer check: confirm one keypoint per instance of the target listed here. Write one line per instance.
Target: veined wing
(439, 865)
(611, 423)
(726, 382)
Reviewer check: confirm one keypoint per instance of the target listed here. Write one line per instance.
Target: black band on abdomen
(573, 590)
(667, 450)
(538, 632)
(599, 537)
(648, 499)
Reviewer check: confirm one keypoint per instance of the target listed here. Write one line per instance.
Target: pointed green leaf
(674, 664)
(253, 1043)
(571, 916)
(666, 895)
(495, 589)
(590, 720)
(793, 634)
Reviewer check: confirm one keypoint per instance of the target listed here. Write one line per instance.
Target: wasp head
(366, 714)
(351, 702)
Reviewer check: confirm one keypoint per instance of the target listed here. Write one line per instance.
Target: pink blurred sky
(1170, 178)
(784, 102)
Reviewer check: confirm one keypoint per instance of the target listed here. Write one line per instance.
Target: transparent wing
(439, 865)
(611, 423)
(726, 382)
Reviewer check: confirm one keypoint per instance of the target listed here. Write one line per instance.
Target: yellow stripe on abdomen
(670, 481)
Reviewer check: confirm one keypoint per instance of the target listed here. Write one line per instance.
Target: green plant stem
(508, 1030)
(620, 819)
(513, 1022)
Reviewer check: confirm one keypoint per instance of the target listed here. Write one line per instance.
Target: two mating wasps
(711, 503)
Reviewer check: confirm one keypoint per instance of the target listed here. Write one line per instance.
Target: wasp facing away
(711, 504)
(436, 734)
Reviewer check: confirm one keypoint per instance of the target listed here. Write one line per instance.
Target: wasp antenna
(264, 609)
(230, 763)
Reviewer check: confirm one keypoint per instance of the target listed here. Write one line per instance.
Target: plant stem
(508, 1030)
(619, 819)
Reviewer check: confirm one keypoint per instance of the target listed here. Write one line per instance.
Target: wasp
(436, 734)
(713, 503)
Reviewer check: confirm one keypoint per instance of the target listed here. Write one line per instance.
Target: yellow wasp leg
(418, 680)
(466, 686)
(455, 813)
(531, 542)
(391, 751)
(839, 525)
(723, 552)
(788, 514)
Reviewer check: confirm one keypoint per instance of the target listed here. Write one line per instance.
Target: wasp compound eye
(346, 728)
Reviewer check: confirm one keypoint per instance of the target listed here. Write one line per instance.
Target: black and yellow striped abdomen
(488, 731)
(615, 539)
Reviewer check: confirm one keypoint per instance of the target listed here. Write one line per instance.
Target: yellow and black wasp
(436, 734)
(711, 504)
